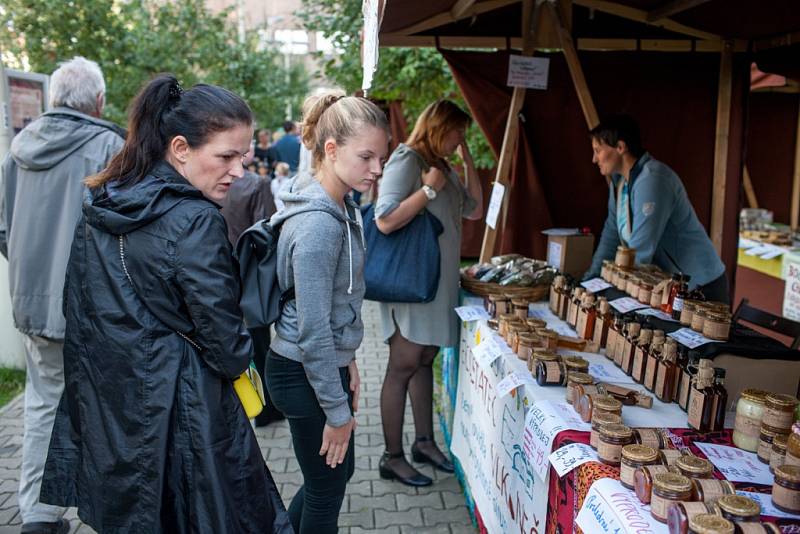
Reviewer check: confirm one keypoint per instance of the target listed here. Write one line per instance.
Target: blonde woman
(418, 176)
(312, 376)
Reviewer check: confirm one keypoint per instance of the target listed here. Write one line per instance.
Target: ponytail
(163, 110)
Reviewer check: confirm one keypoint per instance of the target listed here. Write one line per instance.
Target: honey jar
(576, 364)
(779, 411)
(693, 467)
(793, 447)
(625, 257)
(670, 456)
(765, 439)
(589, 404)
(613, 437)
(786, 489)
(645, 292)
(643, 480)
(689, 306)
(739, 508)
(778, 456)
(668, 488)
(634, 457)
(575, 379)
(710, 524)
(520, 308)
(651, 437)
(698, 319)
(749, 412)
(679, 514)
(498, 305)
(753, 527)
(710, 489)
(599, 419)
(717, 326)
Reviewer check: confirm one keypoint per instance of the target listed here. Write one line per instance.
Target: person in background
(41, 190)
(261, 150)
(248, 201)
(287, 148)
(649, 210)
(312, 375)
(150, 435)
(418, 176)
(281, 177)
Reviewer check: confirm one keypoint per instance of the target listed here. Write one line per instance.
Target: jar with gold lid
(549, 339)
(613, 437)
(634, 457)
(551, 373)
(786, 489)
(605, 270)
(498, 305)
(512, 337)
(687, 312)
(793, 446)
(670, 456)
(717, 326)
(739, 508)
(541, 354)
(754, 527)
(520, 308)
(765, 439)
(680, 513)
(711, 489)
(650, 437)
(694, 467)
(643, 480)
(576, 364)
(698, 319)
(625, 257)
(778, 456)
(534, 323)
(710, 524)
(598, 420)
(574, 379)
(779, 411)
(645, 292)
(589, 404)
(668, 488)
(503, 321)
(749, 412)
(622, 280)
(525, 345)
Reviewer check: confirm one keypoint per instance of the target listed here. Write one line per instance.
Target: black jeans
(315, 507)
(261, 339)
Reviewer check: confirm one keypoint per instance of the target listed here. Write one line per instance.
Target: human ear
(330, 149)
(179, 148)
(622, 147)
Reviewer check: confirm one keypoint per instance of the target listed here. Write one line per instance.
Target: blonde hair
(334, 115)
(433, 124)
(282, 169)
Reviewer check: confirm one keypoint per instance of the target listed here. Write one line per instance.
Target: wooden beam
(786, 39)
(672, 8)
(752, 201)
(460, 7)
(575, 70)
(530, 16)
(441, 19)
(640, 15)
(796, 177)
(465, 41)
(724, 98)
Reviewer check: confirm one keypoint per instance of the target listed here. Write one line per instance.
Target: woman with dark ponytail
(150, 435)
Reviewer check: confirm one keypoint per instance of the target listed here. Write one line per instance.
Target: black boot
(386, 472)
(419, 456)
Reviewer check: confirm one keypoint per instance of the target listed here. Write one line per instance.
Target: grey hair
(76, 83)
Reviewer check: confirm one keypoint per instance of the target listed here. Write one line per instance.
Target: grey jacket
(41, 191)
(321, 253)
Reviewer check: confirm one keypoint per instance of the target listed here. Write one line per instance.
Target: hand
(335, 441)
(355, 384)
(463, 152)
(434, 178)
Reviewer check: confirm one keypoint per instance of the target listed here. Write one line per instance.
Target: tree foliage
(417, 76)
(134, 39)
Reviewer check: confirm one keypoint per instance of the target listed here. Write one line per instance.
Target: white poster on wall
(791, 293)
(495, 203)
(529, 72)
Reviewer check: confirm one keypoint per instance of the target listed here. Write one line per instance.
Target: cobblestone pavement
(371, 504)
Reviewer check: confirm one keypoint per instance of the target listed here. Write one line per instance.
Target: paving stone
(363, 518)
(437, 529)
(363, 488)
(391, 487)
(452, 516)
(384, 502)
(412, 517)
(452, 499)
(431, 500)
(389, 530)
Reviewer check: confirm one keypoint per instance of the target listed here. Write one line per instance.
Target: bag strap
(128, 276)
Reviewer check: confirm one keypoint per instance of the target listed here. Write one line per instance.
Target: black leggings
(315, 507)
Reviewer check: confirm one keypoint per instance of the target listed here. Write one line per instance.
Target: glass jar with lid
(498, 304)
(670, 456)
(650, 437)
(613, 437)
(574, 379)
(520, 307)
(698, 319)
(634, 457)
(778, 456)
(779, 411)
(793, 446)
(786, 489)
(765, 439)
(710, 489)
(598, 420)
(576, 364)
(717, 326)
(687, 312)
(625, 257)
(589, 404)
(694, 467)
(749, 412)
(739, 508)
(668, 488)
(535, 323)
(551, 373)
(710, 524)
(643, 480)
(679, 514)
(525, 345)
(754, 527)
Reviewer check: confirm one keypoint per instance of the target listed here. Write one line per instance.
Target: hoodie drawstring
(350, 255)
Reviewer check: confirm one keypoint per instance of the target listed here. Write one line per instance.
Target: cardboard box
(777, 376)
(570, 254)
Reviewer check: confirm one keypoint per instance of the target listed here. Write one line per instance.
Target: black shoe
(419, 480)
(40, 527)
(419, 456)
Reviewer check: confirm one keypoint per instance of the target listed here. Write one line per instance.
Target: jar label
(749, 426)
(611, 342)
(751, 527)
(649, 437)
(776, 459)
(778, 419)
(609, 452)
(553, 299)
(594, 439)
(626, 359)
(697, 401)
(671, 456)
(661, 378)
(650, 372)
(552, 372)
(638, 364)
(694, 508)
(659, 506)
(677, 304)
(618, 349)
(683, 396)
(786, 498)
(580, 328)
(764, 450)
(791, 459)
(626, 474)
(712, 488)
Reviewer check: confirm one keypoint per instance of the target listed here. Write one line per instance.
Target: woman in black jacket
(150, 435)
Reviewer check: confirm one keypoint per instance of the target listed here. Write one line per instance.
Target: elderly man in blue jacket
(649, 210)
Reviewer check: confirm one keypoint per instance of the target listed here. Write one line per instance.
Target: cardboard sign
(529, 72)
(791, 293)
(657, 314)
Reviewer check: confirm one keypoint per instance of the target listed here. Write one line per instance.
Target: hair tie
(175, 92)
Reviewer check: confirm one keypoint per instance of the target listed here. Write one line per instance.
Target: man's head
(290, 127)
(615, 139)
(78, 84)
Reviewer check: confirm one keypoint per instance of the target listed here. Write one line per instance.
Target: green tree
(133, 40)
(414, 75)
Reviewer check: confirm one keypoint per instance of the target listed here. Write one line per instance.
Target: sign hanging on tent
(528, 72)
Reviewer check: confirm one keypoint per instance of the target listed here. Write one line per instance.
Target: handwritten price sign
(571, 456)
(737, 465)
(472, 313)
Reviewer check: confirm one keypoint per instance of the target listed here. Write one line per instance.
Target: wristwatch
(429, 192)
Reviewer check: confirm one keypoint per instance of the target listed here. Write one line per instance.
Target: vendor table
(501, 442)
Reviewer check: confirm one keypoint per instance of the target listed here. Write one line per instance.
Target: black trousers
(261, 340)
(315, 507)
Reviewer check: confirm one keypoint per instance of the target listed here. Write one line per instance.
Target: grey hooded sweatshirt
(321, 253)
(41, 191)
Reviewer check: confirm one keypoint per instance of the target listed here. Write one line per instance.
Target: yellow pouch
(250, 390)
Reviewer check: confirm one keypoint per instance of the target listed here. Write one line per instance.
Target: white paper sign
(608, 372)
(495, 203)
(736, 464)
(554, 254)
(571, 456)
(610, 508)
(487, 352)
(690, 338)
(656, 313)
(791, 293)
(512, 382)
(767, 508)
(627, 304)
(544, 420)
(530, 72)
(472, 313)
(596, 285)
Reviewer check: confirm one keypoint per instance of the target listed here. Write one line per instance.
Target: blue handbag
(402, 266)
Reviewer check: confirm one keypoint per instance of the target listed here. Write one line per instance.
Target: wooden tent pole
(529, 19)
(796, 178)
(724, 98)
(752, 200)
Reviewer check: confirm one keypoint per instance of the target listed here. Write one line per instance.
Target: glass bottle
(629, 344)
(640, 358)
(667, 372)
(555, 292)
(720, 400)
(566, 298)
(682, 360)
(642, 344)
(620, 344)
(701, 397)
(669, 293)
(651, 366)
(687, 374)
(574, 305)
(603, 323)
(680, 297)
(587, 314)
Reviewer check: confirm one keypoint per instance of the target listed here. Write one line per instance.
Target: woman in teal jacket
(649, 210)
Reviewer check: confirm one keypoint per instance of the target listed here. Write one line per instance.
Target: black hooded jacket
(150, 435)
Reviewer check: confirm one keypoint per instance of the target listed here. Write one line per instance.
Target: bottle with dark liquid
(680, 297)
(667, 372)
(701, 398)
(720, 399)
(642, 344)
(603, 323)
